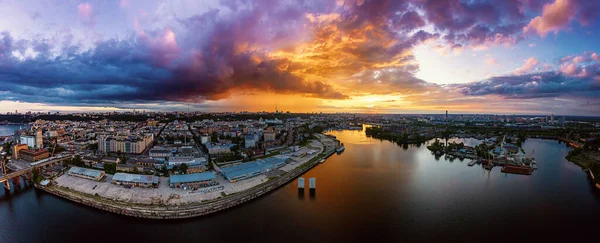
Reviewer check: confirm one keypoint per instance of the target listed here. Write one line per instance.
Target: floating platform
(513, 169)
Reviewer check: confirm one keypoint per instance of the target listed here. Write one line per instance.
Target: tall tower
(446, 114)
(39, 143)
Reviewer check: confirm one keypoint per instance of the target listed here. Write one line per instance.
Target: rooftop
(86, 172)
(146, 179)
(196, 177)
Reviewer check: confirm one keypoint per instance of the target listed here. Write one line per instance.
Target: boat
(472, 162)
(340, 148)
(516, 169)
(322, 160)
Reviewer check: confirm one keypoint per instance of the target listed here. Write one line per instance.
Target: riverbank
(176, 211)
(587, 161)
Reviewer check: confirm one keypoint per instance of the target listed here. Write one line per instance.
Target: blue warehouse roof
(196, 177)
(254, 168)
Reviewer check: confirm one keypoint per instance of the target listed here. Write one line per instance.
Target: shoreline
(186, 210)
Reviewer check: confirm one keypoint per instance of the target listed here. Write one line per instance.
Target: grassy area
(579, 158)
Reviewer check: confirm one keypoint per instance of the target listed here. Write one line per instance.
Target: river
(374, 190)
(9, 129)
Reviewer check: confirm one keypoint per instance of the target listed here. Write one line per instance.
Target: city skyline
(413, 57)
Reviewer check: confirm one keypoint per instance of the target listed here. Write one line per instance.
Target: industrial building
(193, 180)
(17, 149)
(89, 174)
(159, 152)
(254, 168)
(135, 180)
(33, 155)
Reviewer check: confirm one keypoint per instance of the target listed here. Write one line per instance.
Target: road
(7, 177)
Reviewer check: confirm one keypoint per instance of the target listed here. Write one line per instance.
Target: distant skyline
(387, 56)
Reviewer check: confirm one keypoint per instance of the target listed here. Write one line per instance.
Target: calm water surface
(8, 129)
(375, 190)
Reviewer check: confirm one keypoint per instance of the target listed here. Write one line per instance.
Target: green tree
(35, 174)
(7, 148)
(110, 168)
(183, 168)
(77, 161)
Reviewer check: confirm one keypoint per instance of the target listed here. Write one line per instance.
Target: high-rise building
(39, 142)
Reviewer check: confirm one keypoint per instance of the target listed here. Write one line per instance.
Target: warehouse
(135, 180)
(89, 174)
(195, 180)
(254, 168)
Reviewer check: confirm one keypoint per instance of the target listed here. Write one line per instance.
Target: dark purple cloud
(545, 84)
(212, 55)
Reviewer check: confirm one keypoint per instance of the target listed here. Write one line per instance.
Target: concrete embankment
(181, 211)
(594, 179)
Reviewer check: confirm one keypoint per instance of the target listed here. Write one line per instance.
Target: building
(218, 149)
(159, 152)
(195, 168)
(111, 160)
(135, 180)
(178, 160)
(269, 135)
(193, 180)
(34, 155)
(39, 141)
(249, 141)
(204, 139)
(254, 168)
(29, 140)
(17, 148)
(186, 150)
(147, 163)
(126, 167)
(125, 144)
(89, 174)
(51, 134)
(90, 160)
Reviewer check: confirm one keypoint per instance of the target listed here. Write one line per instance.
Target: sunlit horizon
(387, 57)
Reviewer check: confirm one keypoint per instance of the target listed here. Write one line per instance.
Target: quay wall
(594, 179)
(182, 211)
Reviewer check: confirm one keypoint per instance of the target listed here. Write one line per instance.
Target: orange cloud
(555, 16)
(528, 66)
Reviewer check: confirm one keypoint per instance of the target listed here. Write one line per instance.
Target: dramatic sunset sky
(379, 56)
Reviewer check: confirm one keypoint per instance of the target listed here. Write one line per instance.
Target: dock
(514, 169)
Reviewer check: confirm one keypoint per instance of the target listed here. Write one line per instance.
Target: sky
(378, 56)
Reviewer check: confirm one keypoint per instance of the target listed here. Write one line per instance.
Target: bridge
(5, 179)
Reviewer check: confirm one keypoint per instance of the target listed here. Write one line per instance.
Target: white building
(29, 140)
(178, 160)
(250, 141)
(204, 139)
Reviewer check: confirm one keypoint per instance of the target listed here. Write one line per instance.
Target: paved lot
(176, 196)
